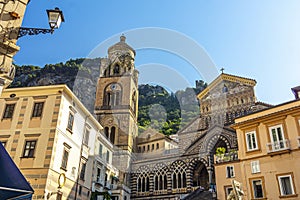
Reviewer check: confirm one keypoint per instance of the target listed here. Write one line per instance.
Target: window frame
(9, 111)
(70, 124)
(107, 156)
(86, 137)
(255, 163)
(64, 162)
(226, 189)
(282, 135)
(100, 151)
(291, 180)
(251, 180)
(82, 169)
(30, 149)
(232, 172)
(38, 108)
(251, 133)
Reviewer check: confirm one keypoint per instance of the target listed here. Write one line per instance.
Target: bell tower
(116, 102)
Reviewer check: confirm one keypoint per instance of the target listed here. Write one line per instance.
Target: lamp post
(10, 32)
(55, 18)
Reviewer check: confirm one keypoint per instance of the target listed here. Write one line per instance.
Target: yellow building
(48, 132)
(269, 156)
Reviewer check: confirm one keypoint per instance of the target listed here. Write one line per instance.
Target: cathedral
(153, 165)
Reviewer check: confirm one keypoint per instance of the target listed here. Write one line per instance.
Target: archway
(200, 176)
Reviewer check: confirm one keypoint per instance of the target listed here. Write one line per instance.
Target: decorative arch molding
(160, 166)
(143, 169)
(178, 163)
(195, 161)
(109, 121)
(213, 140)
(112, 94)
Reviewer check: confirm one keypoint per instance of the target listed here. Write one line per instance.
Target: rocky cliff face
(80, 75)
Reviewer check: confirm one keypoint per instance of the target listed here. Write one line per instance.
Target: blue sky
(255, 39)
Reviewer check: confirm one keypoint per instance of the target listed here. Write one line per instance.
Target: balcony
(227, 157)
(278, 146)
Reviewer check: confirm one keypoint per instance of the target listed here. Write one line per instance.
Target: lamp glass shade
(55, 17)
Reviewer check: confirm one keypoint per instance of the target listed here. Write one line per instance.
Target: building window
(29, 149)
(152, 147)
(277, 137)
(106, 132)
(229, 172)
(65, 157)
(86, 136)
(228, 190)
(286, 185)
(100, 150)
(251, 141)
(107, 156)
(255, 167)
(38, 109)
(112, 134)
(98, 174)
(257, 187)
(70, 121)
(9, 111)
(157, 146)
(113, 95)
(82, 171)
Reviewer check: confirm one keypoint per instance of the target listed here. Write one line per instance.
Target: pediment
(234, 84)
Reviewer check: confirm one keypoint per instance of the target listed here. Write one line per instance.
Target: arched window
(165, 182)
(134, 104)
(112, 134)
(143, 182)
(156, 183)
(179, 175)
(174, 180)
(106, 132)
(160, 180)
(113, 95)
(116, 69)
(225, 89)
(139, 186)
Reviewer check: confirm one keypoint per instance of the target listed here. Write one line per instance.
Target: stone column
(151, 186)
(189, 179)
(169, 183)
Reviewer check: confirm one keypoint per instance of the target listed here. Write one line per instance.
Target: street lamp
(55, 18)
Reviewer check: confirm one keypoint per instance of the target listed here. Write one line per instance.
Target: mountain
(158, 109)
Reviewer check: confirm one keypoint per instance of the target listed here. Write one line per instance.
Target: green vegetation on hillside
(158, 109)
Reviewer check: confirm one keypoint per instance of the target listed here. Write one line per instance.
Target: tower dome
(121, 47)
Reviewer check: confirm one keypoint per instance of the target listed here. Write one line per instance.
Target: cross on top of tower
(222, 70)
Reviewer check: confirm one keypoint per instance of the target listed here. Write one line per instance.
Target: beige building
(48, 132)
(268, 155)
(11, 17)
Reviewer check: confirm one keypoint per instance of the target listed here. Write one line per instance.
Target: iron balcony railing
(278, 146)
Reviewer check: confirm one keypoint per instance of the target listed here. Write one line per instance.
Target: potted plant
(220, 152)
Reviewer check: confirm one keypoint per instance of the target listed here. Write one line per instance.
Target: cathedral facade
(155, 166)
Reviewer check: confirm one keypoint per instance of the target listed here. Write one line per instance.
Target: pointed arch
(112, 94)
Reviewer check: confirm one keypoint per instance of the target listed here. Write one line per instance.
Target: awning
(13, 184)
